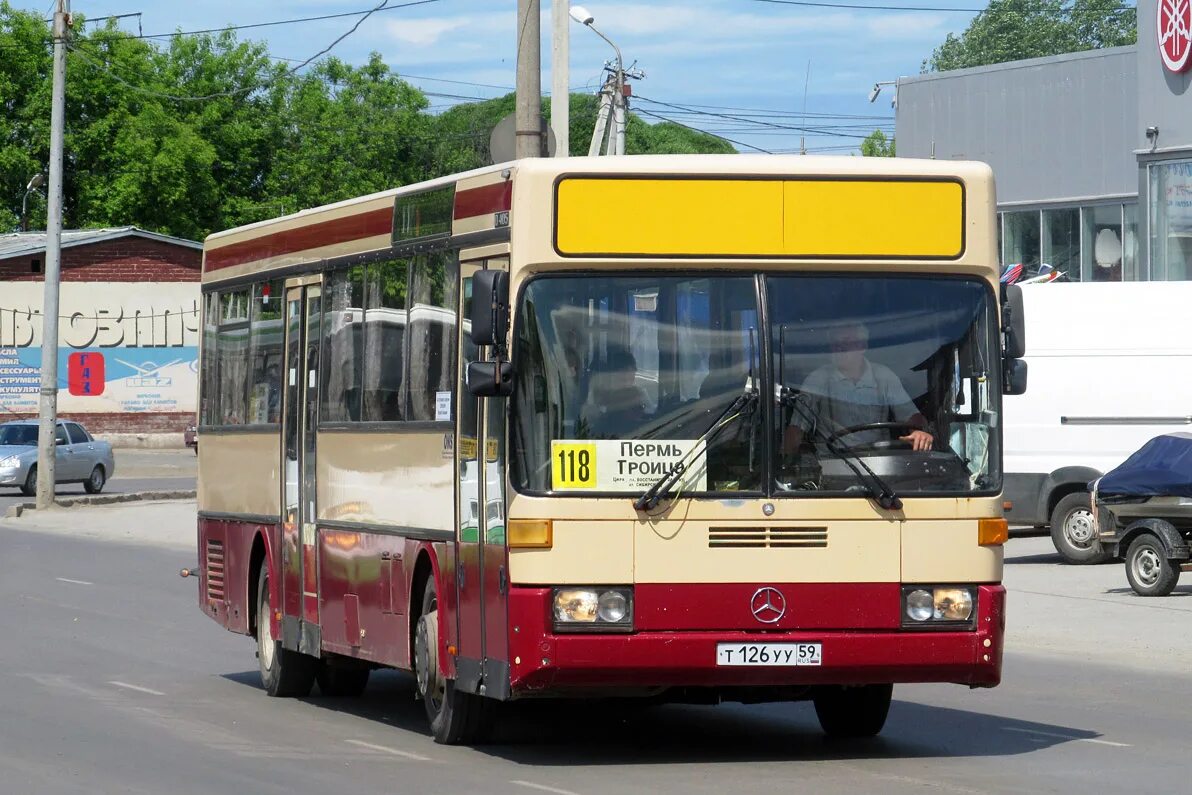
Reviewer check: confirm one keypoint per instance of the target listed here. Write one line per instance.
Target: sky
(750, 70)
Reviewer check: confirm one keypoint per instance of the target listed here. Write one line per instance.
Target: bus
(679, 428)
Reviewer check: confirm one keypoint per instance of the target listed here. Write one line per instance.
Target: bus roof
(480, 202)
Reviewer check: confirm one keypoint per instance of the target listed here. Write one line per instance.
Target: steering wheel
(890, 444)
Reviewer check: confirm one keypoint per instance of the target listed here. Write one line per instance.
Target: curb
(15, 511)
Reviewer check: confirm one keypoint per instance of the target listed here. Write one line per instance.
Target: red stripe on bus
(493, 198)
(327, 233)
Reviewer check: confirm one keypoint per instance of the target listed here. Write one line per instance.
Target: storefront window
(1130, 243)
(1022, 241)
(1061, 241)
(1171, 220)
(1101, 259)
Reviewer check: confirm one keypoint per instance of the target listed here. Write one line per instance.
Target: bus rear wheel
(283, 672)
(853, 711)
(455, 717)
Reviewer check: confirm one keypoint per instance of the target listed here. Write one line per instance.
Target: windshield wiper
(878, 489)
(662, 487)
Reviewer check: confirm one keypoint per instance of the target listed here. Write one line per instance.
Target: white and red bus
(694, 428)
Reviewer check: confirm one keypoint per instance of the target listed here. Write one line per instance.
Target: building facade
(128, 331)
(1092, 151)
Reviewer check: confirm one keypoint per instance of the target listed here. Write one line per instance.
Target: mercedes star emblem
(768, 605)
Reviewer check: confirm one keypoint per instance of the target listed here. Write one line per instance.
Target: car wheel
(283, 672)
(1072, 531)
(454, 717)
(1147, 568)
(853, 711)
(29, 489)
(95, 483)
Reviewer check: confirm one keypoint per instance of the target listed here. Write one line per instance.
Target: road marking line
(137, 688)
(543, 787)
(74, 582)
(1067, 737)
(386, 750)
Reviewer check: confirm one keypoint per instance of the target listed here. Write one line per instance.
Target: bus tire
(284, 673)
(455, 718)
(851, 712)
(1072, 531)
(341, 681)
(1147, 568)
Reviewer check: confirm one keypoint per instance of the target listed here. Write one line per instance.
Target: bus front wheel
(283, 672)
(455, 717)
(853, 711)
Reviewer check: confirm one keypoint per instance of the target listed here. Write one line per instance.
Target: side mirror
(490, 307)
(1014, 323)
(1014, 377)
(59, 440)
(490, 379)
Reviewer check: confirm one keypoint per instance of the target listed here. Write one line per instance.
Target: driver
(852, 391)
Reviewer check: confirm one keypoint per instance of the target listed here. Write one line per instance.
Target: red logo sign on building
(1173, 20)
(84, 374)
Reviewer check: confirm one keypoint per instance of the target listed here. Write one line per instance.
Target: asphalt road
(136, 470)
(114, 682)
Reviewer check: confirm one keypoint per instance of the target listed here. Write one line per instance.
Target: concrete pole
(528, 118)
(48, 409)
(560, 75)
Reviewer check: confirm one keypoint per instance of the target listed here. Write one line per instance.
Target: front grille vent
(767, 537)
(215, 570)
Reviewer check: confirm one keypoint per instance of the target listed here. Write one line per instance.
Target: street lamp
(36, 182)
(585, 18)
(877, 89)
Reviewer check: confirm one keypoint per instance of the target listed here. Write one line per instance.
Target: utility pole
(560, 68)
(48, 408)
(528, 136)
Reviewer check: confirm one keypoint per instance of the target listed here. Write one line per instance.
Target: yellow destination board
(871, 218)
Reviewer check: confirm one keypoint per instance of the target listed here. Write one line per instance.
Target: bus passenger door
(299, 558)
(482, 664)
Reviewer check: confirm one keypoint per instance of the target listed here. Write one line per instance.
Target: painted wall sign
(120, 350)
(84, 374)
(1173, 24)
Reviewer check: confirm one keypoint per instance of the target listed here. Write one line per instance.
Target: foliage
(261, 142)
(876, 144)
(1010, 30)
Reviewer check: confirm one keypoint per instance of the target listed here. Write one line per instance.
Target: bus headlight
(926, 606)
(592, 609)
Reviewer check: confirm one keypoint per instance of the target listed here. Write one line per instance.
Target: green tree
(1010, 30)
(876, 144)
(464, 132)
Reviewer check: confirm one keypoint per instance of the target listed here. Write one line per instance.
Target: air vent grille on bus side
(767, 537)
(215, 570)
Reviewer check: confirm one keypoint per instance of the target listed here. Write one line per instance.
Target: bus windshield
(620, 377)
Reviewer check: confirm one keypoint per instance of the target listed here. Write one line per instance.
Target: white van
(1110, 366)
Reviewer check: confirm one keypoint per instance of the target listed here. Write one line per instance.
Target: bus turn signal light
(530, 534)
(992, 532)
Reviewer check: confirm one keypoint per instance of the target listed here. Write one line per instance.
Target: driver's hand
(921, 441)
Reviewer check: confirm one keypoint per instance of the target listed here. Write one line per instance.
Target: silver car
(80, 459)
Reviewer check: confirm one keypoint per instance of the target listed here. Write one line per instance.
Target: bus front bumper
(541, 660)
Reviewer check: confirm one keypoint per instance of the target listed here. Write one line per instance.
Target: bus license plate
(778, 654)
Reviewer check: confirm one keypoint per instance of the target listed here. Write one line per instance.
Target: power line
(660, 117)
(366, 12)
(788, 127)
(238, 91)
(870, 8)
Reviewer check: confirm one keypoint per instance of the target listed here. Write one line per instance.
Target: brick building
(128, 331)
